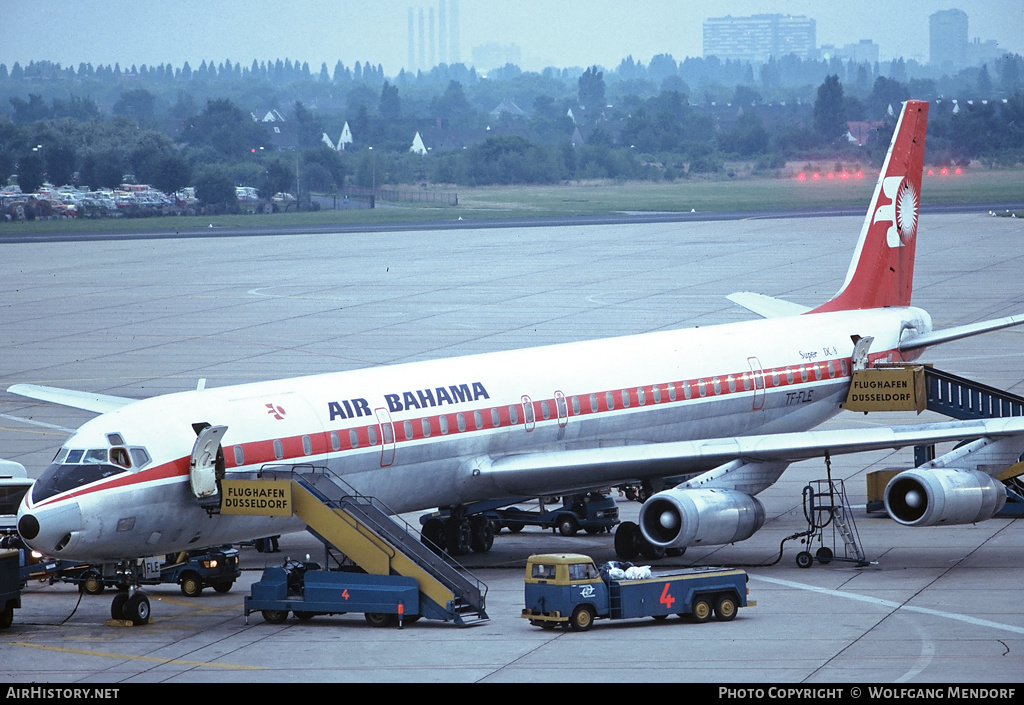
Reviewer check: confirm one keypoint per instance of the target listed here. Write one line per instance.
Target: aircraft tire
(457, 534)
(627, 541)
(432, 535)
(137, 608)
(482, 538)
(117, 605)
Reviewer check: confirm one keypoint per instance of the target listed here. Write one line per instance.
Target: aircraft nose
(28, 527)
(51, 530)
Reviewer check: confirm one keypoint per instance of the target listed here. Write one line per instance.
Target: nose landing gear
(132, 606)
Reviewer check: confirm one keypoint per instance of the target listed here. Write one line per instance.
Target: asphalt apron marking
(894, 605)
(126, 657)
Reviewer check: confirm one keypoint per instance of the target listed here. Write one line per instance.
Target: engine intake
(943, 496)
(679, 518)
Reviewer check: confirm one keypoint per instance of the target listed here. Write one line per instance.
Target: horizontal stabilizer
(88, 401)
(766, 306)
(551, 473)
(945, 336)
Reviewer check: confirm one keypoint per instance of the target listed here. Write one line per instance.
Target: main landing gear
(630, 544)
(458, 535)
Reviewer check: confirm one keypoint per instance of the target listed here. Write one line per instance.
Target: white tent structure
(346, 137)
(417, 145)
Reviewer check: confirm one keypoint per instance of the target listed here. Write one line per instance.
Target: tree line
(559, 125)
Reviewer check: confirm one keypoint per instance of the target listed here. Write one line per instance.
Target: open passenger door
(206, 465)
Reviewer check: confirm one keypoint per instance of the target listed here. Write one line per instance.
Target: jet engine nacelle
(943, 496)
(679, 518)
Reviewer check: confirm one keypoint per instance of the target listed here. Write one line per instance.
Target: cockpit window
(77, 469)
(119, 456)
(140, 457)
(97, 455)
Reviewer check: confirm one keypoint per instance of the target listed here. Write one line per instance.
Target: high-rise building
(947, 32)
(442, 19)
(427, 40)
(455, 46)
(760, 37)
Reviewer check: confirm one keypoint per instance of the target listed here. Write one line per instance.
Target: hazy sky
(548, 32)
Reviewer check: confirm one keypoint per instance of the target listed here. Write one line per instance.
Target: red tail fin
(882, 272)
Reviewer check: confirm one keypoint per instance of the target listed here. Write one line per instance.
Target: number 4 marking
(666, 598)
(345, 593)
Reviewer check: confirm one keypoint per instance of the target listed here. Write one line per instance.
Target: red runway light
(816, 176)
(801, 177)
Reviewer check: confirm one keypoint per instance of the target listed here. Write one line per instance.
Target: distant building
(493, 55)
(864, 51)
(758, 38)
(427, 39)
(507, 107)
(947, 33)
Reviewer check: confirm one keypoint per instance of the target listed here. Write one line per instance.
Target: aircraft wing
(89, 401)
(944, 336)
(766, 306)
(533, 473)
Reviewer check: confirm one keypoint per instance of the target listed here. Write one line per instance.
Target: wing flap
(558, 471)
(88, 401)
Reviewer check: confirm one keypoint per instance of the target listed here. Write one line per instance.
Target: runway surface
(139, 317)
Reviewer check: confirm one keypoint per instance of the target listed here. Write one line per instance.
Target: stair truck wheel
(824, 555)
(804, 559)
(379, 619)
(275, 616)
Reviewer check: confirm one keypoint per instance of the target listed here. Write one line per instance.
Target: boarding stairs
(826, 507)
(962, 398)
(380, 543)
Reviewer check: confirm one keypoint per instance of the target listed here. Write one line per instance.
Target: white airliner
(724, 408)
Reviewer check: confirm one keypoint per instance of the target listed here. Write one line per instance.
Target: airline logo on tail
(901, 211)
(882, 271)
